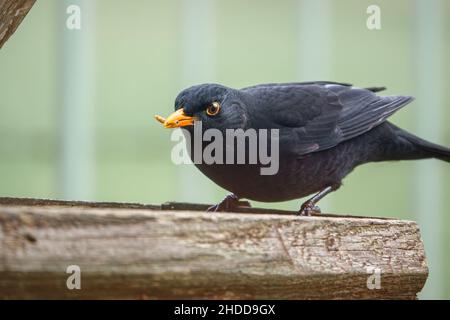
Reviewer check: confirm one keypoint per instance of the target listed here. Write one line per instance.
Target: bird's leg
(230, 203)
(309, 206)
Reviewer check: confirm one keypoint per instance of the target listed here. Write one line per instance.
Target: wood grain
(12, 13)
(142, 253)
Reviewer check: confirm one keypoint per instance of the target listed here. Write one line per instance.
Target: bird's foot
(308, 208)
(229, 204)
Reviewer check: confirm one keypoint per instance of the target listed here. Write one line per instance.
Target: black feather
(319, 115)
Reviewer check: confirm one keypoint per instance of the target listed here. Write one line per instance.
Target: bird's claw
(308, 208)
(229, 204)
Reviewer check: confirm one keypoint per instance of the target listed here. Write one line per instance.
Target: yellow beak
(176, 120)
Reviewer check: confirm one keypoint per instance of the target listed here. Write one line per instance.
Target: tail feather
(431, 149)
(376, 89)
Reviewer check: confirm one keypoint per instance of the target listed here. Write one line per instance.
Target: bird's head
(216, 106)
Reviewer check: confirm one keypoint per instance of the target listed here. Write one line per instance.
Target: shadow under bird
(325, 130)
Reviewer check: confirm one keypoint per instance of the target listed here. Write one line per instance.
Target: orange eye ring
(213, 109)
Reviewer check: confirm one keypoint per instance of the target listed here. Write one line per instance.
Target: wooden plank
(143, 253)
(12, 13)
(9, 201)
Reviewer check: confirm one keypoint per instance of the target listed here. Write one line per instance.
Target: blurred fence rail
(158, 252)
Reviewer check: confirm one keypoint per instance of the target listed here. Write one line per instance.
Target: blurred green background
(77, 106)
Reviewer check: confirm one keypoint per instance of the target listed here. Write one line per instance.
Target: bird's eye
(213, 109)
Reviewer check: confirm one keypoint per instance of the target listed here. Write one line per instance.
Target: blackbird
(325, 130)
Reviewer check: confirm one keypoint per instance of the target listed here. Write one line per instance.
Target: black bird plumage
(326, 130)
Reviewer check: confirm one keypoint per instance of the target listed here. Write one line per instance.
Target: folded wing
(317, 116)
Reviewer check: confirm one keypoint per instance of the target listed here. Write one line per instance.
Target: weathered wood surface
(141, 252)
(12, 13)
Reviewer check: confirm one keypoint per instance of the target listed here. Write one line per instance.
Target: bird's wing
(293, 84)
(317, 116)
